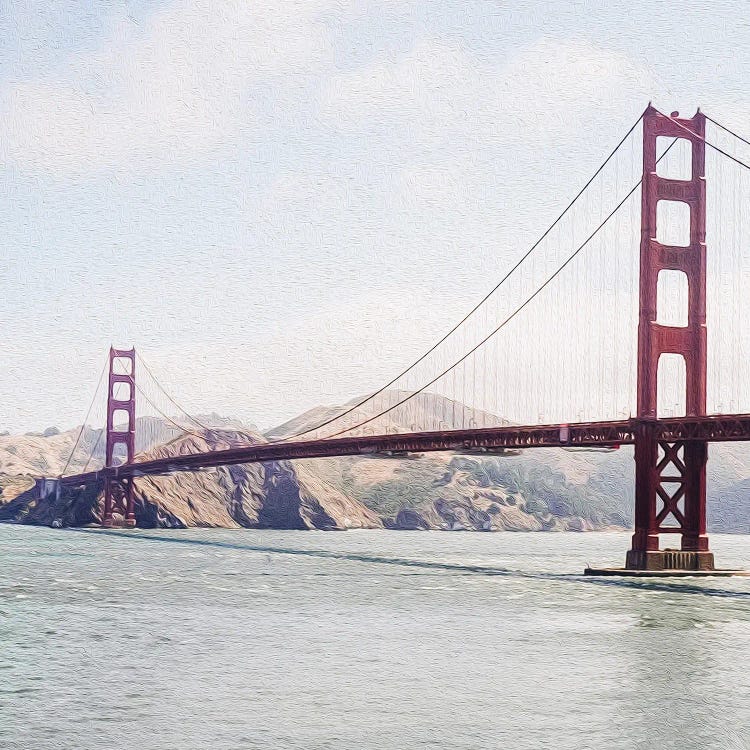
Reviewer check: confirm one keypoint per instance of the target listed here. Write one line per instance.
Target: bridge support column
(118, 492)
(670, 494)
(670, 497)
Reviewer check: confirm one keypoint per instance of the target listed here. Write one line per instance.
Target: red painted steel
(594, 434)
(671, 475)
(118, 491)
(721, 428)
(670, 454)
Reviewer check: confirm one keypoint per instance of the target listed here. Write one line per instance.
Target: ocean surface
(187, 640)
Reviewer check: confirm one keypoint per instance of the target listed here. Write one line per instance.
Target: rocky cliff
(270, 495)
(534, 490)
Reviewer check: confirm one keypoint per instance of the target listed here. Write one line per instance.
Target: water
(199, 639)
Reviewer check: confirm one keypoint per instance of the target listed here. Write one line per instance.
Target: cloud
(548, 89)
(199, 75)
(405, 200)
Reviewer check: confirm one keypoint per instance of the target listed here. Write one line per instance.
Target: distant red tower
(118, 493)
(670, 494)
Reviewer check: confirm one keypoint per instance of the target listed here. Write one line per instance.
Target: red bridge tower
(118, 492)
(670, 485)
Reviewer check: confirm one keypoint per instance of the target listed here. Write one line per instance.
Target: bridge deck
(719, 428)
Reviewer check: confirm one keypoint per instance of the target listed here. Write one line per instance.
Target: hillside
(552, 488)
(424, 411)
(269, 495)
(45, 454)
(540, 490)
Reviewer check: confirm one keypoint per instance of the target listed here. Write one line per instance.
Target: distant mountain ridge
(539, 489)
(426, 411)
(269, 495)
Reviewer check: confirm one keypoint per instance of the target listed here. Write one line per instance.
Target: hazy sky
(281, 203)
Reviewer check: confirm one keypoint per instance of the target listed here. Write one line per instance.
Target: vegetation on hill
(541, 489)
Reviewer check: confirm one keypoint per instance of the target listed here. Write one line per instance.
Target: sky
(280, 204)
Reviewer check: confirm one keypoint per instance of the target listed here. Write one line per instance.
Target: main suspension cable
(85, 419)
(93, 450)
(703, 138)
(484, 299)
(726, 129)
(165, 416)
(163, 390)
(102, 432)
(518, 309)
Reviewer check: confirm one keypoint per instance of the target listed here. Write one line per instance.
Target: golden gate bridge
(565, 353)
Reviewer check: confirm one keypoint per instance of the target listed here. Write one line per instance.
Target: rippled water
(371, 639)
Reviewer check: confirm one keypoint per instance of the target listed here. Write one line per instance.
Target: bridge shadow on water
(646, 585)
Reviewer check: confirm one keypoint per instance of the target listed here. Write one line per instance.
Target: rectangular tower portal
(671, 477)
(118, 493)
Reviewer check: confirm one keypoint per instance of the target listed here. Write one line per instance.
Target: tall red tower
(670, 493)
(118, 493)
